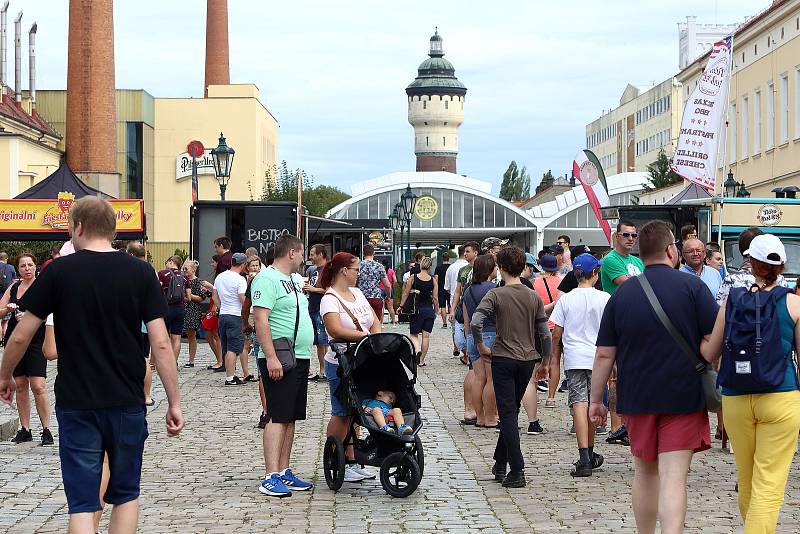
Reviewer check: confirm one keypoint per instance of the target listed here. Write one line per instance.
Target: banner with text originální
(698, 141)
(38, 216)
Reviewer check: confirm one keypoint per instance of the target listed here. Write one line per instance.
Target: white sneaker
(351, 475)
(363, 471)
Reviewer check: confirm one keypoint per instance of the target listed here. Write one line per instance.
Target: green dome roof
(436, 75)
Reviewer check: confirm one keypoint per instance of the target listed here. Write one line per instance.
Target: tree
(660, 173)
(281, 184)
(516, 183)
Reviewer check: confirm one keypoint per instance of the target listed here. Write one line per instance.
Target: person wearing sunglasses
(620, 264)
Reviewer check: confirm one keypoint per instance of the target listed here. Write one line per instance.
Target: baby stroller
(379, 361)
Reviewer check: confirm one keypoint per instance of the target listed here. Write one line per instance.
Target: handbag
(210, 321)
(708, 376)
(284, 347)
(409, 306)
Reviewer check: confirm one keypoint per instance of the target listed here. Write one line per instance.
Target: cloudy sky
(334, 73)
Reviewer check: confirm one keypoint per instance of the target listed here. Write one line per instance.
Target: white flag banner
(698, 142)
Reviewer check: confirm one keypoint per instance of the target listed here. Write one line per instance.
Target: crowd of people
(519, 322)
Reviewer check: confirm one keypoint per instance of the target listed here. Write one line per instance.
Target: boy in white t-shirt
(577, 317)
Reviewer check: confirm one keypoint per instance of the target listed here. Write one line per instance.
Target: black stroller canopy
(384, 345)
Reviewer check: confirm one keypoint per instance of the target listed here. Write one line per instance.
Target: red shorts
(652, 434)
(377, 307)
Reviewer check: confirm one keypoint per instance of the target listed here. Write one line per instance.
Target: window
(134, 160)
(770, 115)
(745, 127)
(424, 104)
(426, 141)
(446, 103)
(732, 133)
(444, 141)
(797, 103)
(784, 113)
(757, 121)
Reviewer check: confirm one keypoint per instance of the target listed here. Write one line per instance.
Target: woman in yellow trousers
(763, 427)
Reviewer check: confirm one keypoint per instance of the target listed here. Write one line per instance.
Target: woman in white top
(347, 315)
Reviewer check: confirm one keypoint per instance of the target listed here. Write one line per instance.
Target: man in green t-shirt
(620, 264)
(280, 310)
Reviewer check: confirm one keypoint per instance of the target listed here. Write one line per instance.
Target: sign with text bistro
(45, 216)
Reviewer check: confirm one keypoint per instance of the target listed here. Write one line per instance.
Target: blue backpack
(753, 357)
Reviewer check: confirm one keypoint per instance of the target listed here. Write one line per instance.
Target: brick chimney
(217, 53)
(91, 136)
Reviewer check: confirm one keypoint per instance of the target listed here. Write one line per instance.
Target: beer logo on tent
(426, 208)
(58, 215)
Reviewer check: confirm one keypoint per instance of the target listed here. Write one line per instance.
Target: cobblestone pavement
(206, 480)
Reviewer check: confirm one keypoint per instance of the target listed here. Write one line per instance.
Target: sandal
(250, 378)
(151, 403)
(464, 360)
(190, 364)
(469, 422)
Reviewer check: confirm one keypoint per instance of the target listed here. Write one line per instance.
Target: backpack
(753, 358)
(7, 278)
(175, 291)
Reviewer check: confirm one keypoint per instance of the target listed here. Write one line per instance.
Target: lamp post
(223, 163)
(401, 226)
(742, 192)
(394, 221)
(730, 185)
(409, 202)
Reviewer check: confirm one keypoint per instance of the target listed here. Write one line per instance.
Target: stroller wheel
(333, 462)
(400, 474)
(419, 455)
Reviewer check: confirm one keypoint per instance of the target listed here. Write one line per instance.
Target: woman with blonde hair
(422, 287)
(194, 306)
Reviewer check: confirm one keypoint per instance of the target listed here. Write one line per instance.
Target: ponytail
(333, 267)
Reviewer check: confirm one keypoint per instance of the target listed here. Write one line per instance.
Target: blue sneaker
(294, 483)
(274, 486)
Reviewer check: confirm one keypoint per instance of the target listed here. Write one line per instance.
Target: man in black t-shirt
(99, 395)
(222, 248)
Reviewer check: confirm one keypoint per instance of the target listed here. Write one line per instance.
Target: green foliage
(516, 183)
(181, 253)
(660, 173)
(281, 185)
(40, 249)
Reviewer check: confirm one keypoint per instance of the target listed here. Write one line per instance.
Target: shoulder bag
(284, 347)
(409, 307)
(708, 375)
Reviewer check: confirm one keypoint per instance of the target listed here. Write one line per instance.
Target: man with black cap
(229, 289)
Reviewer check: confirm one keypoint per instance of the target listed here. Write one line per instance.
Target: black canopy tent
(63, 180)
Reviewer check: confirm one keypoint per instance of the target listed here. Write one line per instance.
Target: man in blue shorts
(97, 338)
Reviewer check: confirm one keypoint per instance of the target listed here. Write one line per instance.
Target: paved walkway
(206, 480)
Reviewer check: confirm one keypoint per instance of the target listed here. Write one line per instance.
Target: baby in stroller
(386, 417)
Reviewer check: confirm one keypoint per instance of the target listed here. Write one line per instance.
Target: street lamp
(223, 163)
(730, 185)
(742, 192)
(409, 202)
(394, 221)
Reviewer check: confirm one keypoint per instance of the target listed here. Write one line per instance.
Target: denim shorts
(320, 334)
(230, 334)
(256, 346)
(337, 409)
(472, 347)
(458, 336)
(83, 437)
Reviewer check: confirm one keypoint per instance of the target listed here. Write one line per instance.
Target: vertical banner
(587, 170)
(698, 142)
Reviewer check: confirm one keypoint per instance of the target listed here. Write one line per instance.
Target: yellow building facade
(29, 149)
(629, 137)
(249, 128)
(152, 134)
(762, 140)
